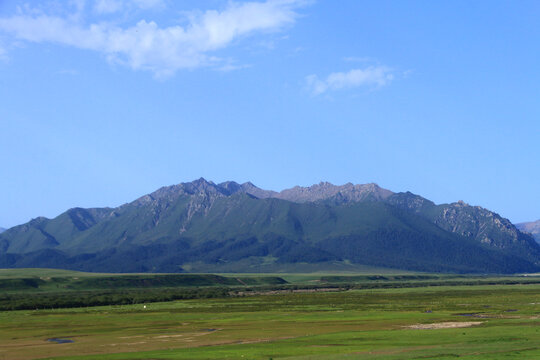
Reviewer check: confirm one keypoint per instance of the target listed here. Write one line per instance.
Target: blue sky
(104, 101)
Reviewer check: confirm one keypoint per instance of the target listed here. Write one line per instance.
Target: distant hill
(2, 230)
(201, 226)
(532, 227)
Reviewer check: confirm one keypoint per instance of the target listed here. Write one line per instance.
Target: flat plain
(418, 322)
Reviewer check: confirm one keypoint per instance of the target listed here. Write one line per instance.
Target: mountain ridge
(532, 227)
(202, 225)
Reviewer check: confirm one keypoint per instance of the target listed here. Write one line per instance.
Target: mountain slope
(532, 228)
(202, 226)
(473, 222)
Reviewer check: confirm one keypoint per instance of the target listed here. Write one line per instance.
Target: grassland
(358, 323)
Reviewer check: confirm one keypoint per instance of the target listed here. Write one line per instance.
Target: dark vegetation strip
(134, 281)
(24, 300)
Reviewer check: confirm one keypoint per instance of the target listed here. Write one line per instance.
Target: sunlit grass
(365, 324)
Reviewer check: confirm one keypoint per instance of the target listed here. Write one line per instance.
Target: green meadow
(423, 321)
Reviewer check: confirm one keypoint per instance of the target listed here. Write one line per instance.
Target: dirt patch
(327, 345)
(122, 344)
(445, 325)
(168, 336)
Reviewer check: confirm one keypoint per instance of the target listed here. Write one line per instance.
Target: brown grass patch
(445, 325)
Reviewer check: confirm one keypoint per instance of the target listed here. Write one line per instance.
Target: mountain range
(532, 228)
(2, 230)
(201, 226)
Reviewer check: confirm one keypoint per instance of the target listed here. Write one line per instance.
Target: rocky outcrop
(532, 228)
(341, 194)
(231, 223)
(474, 222)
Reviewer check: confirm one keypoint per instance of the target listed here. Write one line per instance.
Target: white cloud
(113, 6)
(145, 45)
(107, 6)
(373, 76)
(232, 67)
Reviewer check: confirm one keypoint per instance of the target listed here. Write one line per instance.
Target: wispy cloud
(232, 67)
(107, 6)
(146, 45)
(113, 6)
(372, 76)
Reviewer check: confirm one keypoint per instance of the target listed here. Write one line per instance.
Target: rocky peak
(480, 223)
(409, 201)
(38, 220)
(474, 222)
(251, 189)
(201, 187)
(170, 193)
(322, 191)
(342, 193)
(230, 187)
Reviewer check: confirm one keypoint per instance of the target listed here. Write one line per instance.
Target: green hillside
(204, 227)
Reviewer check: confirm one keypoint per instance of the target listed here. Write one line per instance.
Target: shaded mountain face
(473, 222)
(203, 226)
(532, 228)
(2, 229)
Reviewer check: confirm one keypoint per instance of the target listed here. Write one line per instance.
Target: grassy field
(51, 289)
(500, 322)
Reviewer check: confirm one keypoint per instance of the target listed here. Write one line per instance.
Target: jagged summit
(458, 217)
(343, 193)
(324, 190)
(204, 226)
